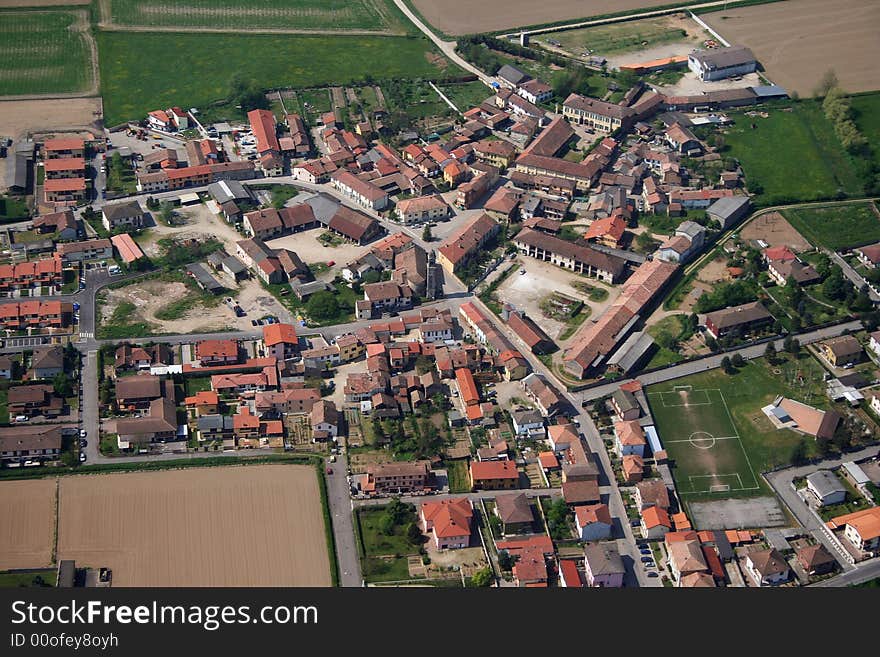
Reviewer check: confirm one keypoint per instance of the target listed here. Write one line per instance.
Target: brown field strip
(27, 516)
(235, 526)
(799, 40)
(468, 17)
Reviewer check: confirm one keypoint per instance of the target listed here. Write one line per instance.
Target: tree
(166, 213)
(482, 578)
(738, 360)
(505, 561)
(792, 346)
(426, 233)
(246, 94)
(62, 385)
(828, 82)
(726, 365)
(322, 306)
(799, 455)
(414, 534)
(835, 286)
(770, 353)
(712, 343)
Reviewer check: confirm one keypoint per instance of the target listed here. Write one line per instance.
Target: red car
(331, 263)
(329, 470)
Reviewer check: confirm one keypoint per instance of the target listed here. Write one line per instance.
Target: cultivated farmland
(27, 515)
(235, 526)
(44, 52)
(797, 42)
(838, 226)
(468, 17)
(305, 15)
(138, 75)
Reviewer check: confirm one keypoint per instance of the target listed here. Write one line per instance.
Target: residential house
(30, 443)
(127, 213)
(204, 402)
(826, 487)
(325, 420)
(530, 333)
(861, 528)
(629, 438)
(387, 296)
(596, 114)
(137, 392)
(217, 352)
(593, 522)
(496, 152)
(582, 259)
(280, 341)
(548, 399)
(655, 523)
(398, 477)
(457, 250)
(528, 422)
(33, 400)
(361, 191)
(816, 560)
(722, 62)
(7, 367)
(448, 522)
(685, 557)
(767, 567)
(493, 475)
(743, 319)
(633, 467)
(651, 492)
(62, 224)
(782, 271)
(625, 405)
(841, 351)
(603, 565)
(515, 513)
(289, 400)
(868, 255)
(47, 362)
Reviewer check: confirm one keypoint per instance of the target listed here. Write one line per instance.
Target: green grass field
(237, 14)
(713, 429)
(867, 113)
(42, 52)
(794, 155)
(837, 227)
(617, 38)
(138, 75)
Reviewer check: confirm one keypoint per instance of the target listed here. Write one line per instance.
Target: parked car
(653, 573)
(83, 444)
(82, 457)
(329, 471)
(635, 522)
(21, 418)
(647, 560)
(645, 551)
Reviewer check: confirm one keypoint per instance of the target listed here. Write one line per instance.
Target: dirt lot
(797, 42)
(737, 514)
(237, 526)
(774, 229)
(467, 17)
(150, 296)
(21, 117)
(527, 291)
(310, 250)
(27, 510)
(197, 222)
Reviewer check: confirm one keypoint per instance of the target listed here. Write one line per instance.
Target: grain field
(27, 518)
(231, 526)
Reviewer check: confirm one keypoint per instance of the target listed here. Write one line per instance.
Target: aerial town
(588, 305)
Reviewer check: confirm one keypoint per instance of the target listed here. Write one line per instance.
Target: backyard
(384, 543)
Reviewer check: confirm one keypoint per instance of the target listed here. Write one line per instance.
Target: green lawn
(194, 384)
(617, 38)
(376, 543)
(4, 409)
(12, 580)
(12, 209)
(466, 94)
(138, 75)
(867, 116)
(793, 155)
(42, 52)
(459, 481)
(837, 227)
(237, 14)
(728, 409)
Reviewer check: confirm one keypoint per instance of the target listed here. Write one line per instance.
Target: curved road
(446, 47)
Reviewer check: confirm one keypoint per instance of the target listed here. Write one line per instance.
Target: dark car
(635, 522)
(645, 551)
(253, 322)
(653, 573)
(647, 560)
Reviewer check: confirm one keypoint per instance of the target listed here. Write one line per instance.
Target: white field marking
(740, 487)
(687, 440)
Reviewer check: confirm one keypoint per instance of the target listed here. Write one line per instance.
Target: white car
(83, 433)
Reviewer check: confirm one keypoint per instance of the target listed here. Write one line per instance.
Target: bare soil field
(799, 40)
(306, 245)
(468, 17)
(236, 526)
(151, 296)
(19, 117)
(27, 514)
(774, 229)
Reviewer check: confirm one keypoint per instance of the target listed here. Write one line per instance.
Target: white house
(874, 343)
(562, 436)
(629, 438)
(767, 567)
(422, 209)
(593, 522)
(720, 63)
(362, 192)
(528, 423)
(826, 487)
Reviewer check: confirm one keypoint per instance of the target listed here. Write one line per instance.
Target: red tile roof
(484, 470)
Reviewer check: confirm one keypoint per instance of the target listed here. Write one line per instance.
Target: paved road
(781, 481)
(339, 499)
(714, 361)
(627, 542)
(447, 47)
(854, 276)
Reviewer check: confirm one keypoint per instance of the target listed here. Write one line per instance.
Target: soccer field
(700, 437)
